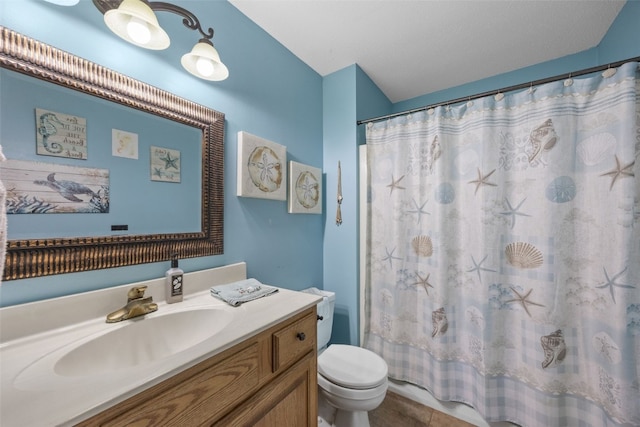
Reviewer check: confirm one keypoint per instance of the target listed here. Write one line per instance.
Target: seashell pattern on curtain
(504, 255)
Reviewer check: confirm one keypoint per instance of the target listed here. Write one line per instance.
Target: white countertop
(32, 394)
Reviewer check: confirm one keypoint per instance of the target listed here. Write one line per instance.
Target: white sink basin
(142, 340)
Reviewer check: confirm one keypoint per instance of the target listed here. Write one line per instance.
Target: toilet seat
(352, 367)
(352, 394)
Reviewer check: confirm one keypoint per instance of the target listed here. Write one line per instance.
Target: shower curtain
(503, 251)
(3, 220)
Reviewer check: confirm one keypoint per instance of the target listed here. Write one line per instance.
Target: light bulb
(204, 66)
(138, 30)
(203, 61)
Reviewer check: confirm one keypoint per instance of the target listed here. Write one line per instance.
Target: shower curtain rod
(506, 89)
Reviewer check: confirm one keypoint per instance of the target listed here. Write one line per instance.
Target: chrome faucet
(137, 305)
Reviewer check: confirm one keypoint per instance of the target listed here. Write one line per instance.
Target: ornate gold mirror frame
(42, 257)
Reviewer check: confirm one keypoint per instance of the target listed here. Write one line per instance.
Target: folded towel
(242, 291)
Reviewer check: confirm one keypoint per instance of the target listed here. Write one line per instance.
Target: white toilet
(351, 379)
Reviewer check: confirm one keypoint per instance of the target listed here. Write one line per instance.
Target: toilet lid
(352, 367)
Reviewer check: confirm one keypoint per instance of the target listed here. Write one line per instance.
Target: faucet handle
(136, 292)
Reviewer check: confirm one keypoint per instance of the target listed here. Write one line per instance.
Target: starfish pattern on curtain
(503, 263)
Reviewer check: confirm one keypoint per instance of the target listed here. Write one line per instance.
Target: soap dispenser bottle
(174, 281)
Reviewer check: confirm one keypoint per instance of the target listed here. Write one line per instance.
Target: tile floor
(397, 410)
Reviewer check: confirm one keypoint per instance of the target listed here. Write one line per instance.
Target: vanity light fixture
(136, 22)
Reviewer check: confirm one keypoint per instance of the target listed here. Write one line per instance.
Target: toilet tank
(325, 310)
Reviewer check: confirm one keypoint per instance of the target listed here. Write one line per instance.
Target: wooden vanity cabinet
(268, 380)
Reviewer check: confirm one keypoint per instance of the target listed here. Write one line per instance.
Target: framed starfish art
(165, 164)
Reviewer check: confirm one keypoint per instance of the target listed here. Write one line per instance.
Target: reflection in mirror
(119, 139)
(174, 210)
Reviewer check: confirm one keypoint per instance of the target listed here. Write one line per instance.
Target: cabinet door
(189, 398)
(290, 400)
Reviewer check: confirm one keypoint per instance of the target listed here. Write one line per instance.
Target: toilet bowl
(351, 379)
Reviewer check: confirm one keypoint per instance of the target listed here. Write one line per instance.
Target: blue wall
(269, 93)
(348, 95)
(340, 267)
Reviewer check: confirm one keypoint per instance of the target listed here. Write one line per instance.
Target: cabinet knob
(301, 336)
(320, 317)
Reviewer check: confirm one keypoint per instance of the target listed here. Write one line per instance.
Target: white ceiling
(412, 48)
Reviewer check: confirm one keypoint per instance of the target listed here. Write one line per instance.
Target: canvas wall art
(262, 171)
(165, 164)
(305, 189)
(124, 144)
(37, 188)
(61, 135)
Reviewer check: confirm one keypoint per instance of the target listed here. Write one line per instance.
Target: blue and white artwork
(38, 188)
(165, 164)
(61, 135)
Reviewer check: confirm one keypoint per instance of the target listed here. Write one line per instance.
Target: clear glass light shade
(203, 61)
(64, 2)
(135, 22)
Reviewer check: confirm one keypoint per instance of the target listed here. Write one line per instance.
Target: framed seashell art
(262, 170)
(305, 189)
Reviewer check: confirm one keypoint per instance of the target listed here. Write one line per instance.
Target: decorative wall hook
(338, 211)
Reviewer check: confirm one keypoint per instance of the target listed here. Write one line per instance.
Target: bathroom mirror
(44, 255)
